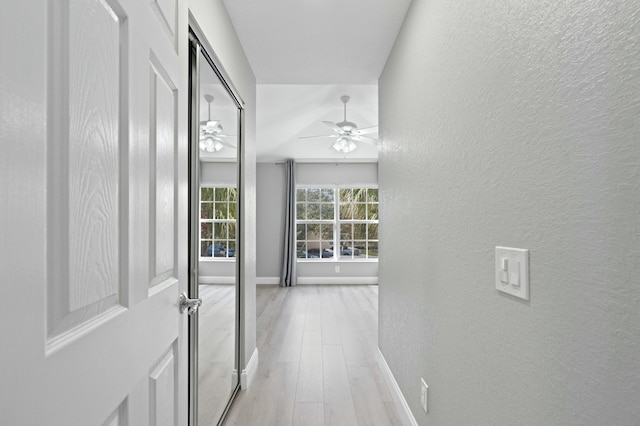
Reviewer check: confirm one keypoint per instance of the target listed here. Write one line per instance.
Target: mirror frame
(199, 47)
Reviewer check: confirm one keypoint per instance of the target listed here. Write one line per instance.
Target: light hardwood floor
(216, 340)
(317, 347)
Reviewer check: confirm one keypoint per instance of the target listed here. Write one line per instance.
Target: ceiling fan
(211, 132)
(346, 132)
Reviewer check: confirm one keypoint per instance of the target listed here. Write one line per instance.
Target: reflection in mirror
(218, 142)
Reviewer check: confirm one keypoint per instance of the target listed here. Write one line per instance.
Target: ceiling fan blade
(363, 138)
(318, 136)
(228, 144)
(333, 125)
(366, 130)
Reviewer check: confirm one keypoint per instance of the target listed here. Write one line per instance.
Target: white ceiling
(305, 54)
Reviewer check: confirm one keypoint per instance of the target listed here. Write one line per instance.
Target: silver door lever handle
(191, 305)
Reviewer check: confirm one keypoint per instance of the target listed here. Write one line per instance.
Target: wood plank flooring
(317, 347)
(216, 340)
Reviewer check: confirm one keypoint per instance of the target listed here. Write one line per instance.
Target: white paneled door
(94, 212)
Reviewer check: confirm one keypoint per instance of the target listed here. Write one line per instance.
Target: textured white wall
(214, 21)
(513, 123)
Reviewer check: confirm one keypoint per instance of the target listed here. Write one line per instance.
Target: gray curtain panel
(288, 276)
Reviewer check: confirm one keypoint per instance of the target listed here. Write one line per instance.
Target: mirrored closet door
(215, 145)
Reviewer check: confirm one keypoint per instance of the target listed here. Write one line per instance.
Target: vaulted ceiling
(306, 54)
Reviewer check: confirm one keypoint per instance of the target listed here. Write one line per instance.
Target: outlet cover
(424, 396)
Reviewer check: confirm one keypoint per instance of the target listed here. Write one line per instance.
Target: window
(218, 222)
(337, 223)
(315, 219)
(358, 221)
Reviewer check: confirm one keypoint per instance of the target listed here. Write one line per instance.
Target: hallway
(317, 347)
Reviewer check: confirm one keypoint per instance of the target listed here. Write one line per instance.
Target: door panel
(162, 178)
(163, 391)
(94, 116)
(85, 147)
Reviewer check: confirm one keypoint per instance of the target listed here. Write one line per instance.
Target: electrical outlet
(424, 395)
(337, 269)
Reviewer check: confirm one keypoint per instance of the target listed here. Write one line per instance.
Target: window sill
(217, 259)
(337, 260)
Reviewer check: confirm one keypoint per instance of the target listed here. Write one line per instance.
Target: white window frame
(213, 221)
(336, 222)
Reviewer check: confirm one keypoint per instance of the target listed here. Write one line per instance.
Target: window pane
(220, 231)
(221, 210)
(346, 231)
(373, 231)
(313, 231)
(205, 248)
(206, 194)
(346, 195)
(233, 194)
(327, 232)
(373, 194)
(221, 194)
(313, 194)
(301, 194)
(346, 250)
(327, 195)
(301, 251)
(231, 249)
(327, 211)
(313, 211)
(206, 231)
(206, 211)
(372, 250)
(301, 211)
(360, 231)
(346, 211)
(360, 195)
(301, 233)
(219, 248)
(232, 231)
(372, 212)
(232, 211)
(359, 211)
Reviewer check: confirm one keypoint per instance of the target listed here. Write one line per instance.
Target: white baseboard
(249, 373)
(216, 280)
(406, 416)
(338, 280)
(267, 280)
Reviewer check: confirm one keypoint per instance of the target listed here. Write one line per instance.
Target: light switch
(512, 271)
(504, 265)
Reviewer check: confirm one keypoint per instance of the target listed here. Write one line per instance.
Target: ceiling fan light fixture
(209, 144)
(346, 132)
(344, 144)
(210, 131)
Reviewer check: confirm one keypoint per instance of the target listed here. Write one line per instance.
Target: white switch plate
(513, 255)
(424, 395)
